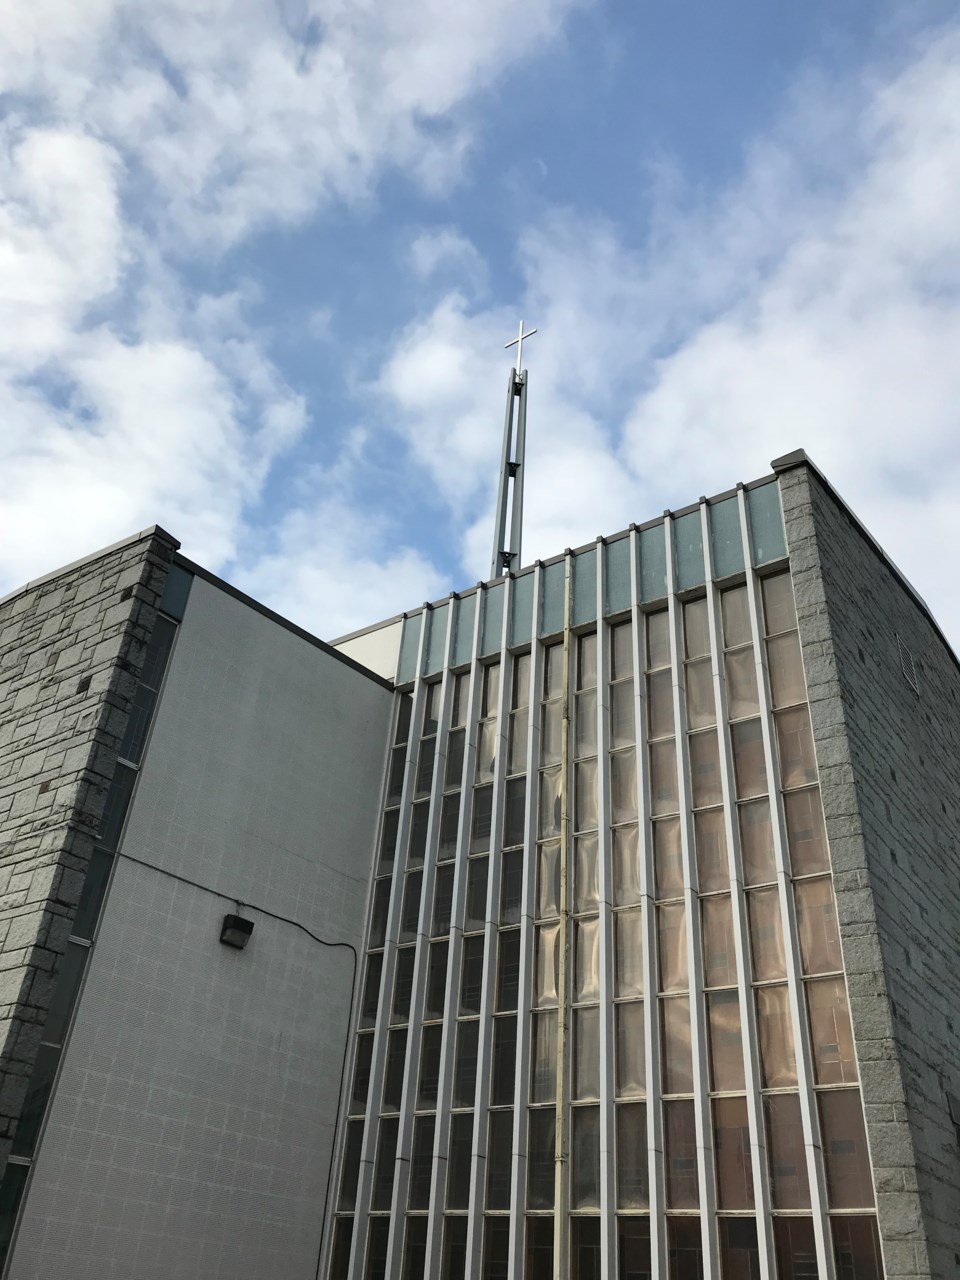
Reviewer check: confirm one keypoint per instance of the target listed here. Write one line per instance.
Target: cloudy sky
(259, 258)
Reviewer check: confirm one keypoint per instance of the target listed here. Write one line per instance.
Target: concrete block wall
(889, 761)
(71, 650)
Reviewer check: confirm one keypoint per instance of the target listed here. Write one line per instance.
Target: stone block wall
(71, 650)
(889, 760)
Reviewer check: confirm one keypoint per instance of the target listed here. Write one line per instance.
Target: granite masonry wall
(889, 757)
(71, 650)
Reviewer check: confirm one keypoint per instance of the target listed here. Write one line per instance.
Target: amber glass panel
(586, 1054)
(806, 836)
(856, 1247)
(626, 867)
(633, 1183)
(726, 1044)
(732, 1145)
(668, 858)
(586, 890)
(796, 1249)
(548, 880)
(817, 926)
(660, 704)
(586, 972)
(664, 796)
(658, 640)
(711, 840)
(628, 926)
(696, 629)
(748, 762)
(672, 940)
(849, 1185)
(705, 769)
(778, 607)
(543, 1060)
(756, 843)
(631, 1058)
(786, 1152)
(766, 935)
(680, 1139)
(742, 697)
(798, 761)
(830, 1032)
(677, 1057)
(719, 957)
(735, 617)
(623, 729)
(701, 707)
(777, 1057)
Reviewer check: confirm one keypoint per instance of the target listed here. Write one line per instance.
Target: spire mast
(506, 554)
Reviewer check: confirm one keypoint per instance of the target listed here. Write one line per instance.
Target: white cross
(518, 343)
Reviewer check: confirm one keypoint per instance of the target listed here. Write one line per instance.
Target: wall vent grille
(908, 665)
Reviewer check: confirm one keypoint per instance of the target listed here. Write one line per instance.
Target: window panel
(520, 692)
(511, 886)
(856, 1247)
(475, 907)
(453, 770)
(817, 926)
(414, 1250)
(458, 1164)
(585, 1172)
(403, 984)
(361, 1075)
(431, 708)
(351, 1166)
(672, 941)
(551, 733)
(658, 639)
(685, 1248)
(731, 1130)
(830, 1033)
(442, 901)
(371, 991)
(385, 1164)
(378, 916)
(786, 1152)
(496, 1249)
(668, 858)
(628, 929)
(806, 836)
(726, 1044)
(677, 1057)
(539, 1264)
(454, 1249)
(553, 671)
(766, 935)
(705, 769)
(796, 1249)
(458, 702)
(342, 1242)
(631, 1055)
(449, 827)
(498, 1162)
(549, 804)
(660, 704)
(719, 957)
(491, 690)
(798, 761)
(508, 970)
(543, 1061)
(739, 1253)
(585, 1249)
(425, 760)
(621, 650)
(504, 1062)
(664, 796)
(547, 971)
(393, 1074)
(585, 795)
(585, 880)
(626, 867)
(548, 880)
(377, 1241)
(849, 1184)
(514, 812)
(786, 670)
(471, 975)
(742, 697)
(517, 743)
(634, 1248)
(421, 1163)
(410, 915)
(398, 758)
(701, 707)
(777, 1057)
(680, 1155)
(465, 1063)
(429, 1067)
(623, 787)
(482, 819)
(586, 1054)
(540, 1159)
(710, 838)
(388, 840)
(696, 629)
(586, 973)
(623, 731)
(748, 764)
(633, 1170)
(756, 843)
(778, 606)
(419, 821)
(586, 724)
(735, 617)
(587, 662)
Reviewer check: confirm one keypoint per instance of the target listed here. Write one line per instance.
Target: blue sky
(258, 262)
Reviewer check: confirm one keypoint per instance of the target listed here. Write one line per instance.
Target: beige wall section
(378, 650)
(190, 1133)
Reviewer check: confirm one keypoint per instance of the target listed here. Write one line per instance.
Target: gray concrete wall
(890, 770)
(71, 650)
(190, 1133)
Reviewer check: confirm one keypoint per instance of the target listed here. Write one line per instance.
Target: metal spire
(506, 556)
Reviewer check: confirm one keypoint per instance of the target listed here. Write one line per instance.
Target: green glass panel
(766, 523)
(616, 576)
(463, 635)
(688, 550)
(551, 609)
(585, 587)
(521, 610)
(653, 563)
(492, 626)
(726, 541)
(409, 646)
(437, 639)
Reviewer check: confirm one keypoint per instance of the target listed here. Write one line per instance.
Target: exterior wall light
(235, 932)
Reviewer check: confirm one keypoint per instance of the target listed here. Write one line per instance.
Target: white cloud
(444, 251)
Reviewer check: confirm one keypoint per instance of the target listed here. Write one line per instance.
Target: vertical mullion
(478, 1163)
(698, 1048)
(748, 1020)
(441, 1137)
(651, 1011)
(608, 1167)
(415, 1022)
(808, 1107)
(521, 1083)
(381, 1033)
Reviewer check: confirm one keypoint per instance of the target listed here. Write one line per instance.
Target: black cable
(347, 946)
